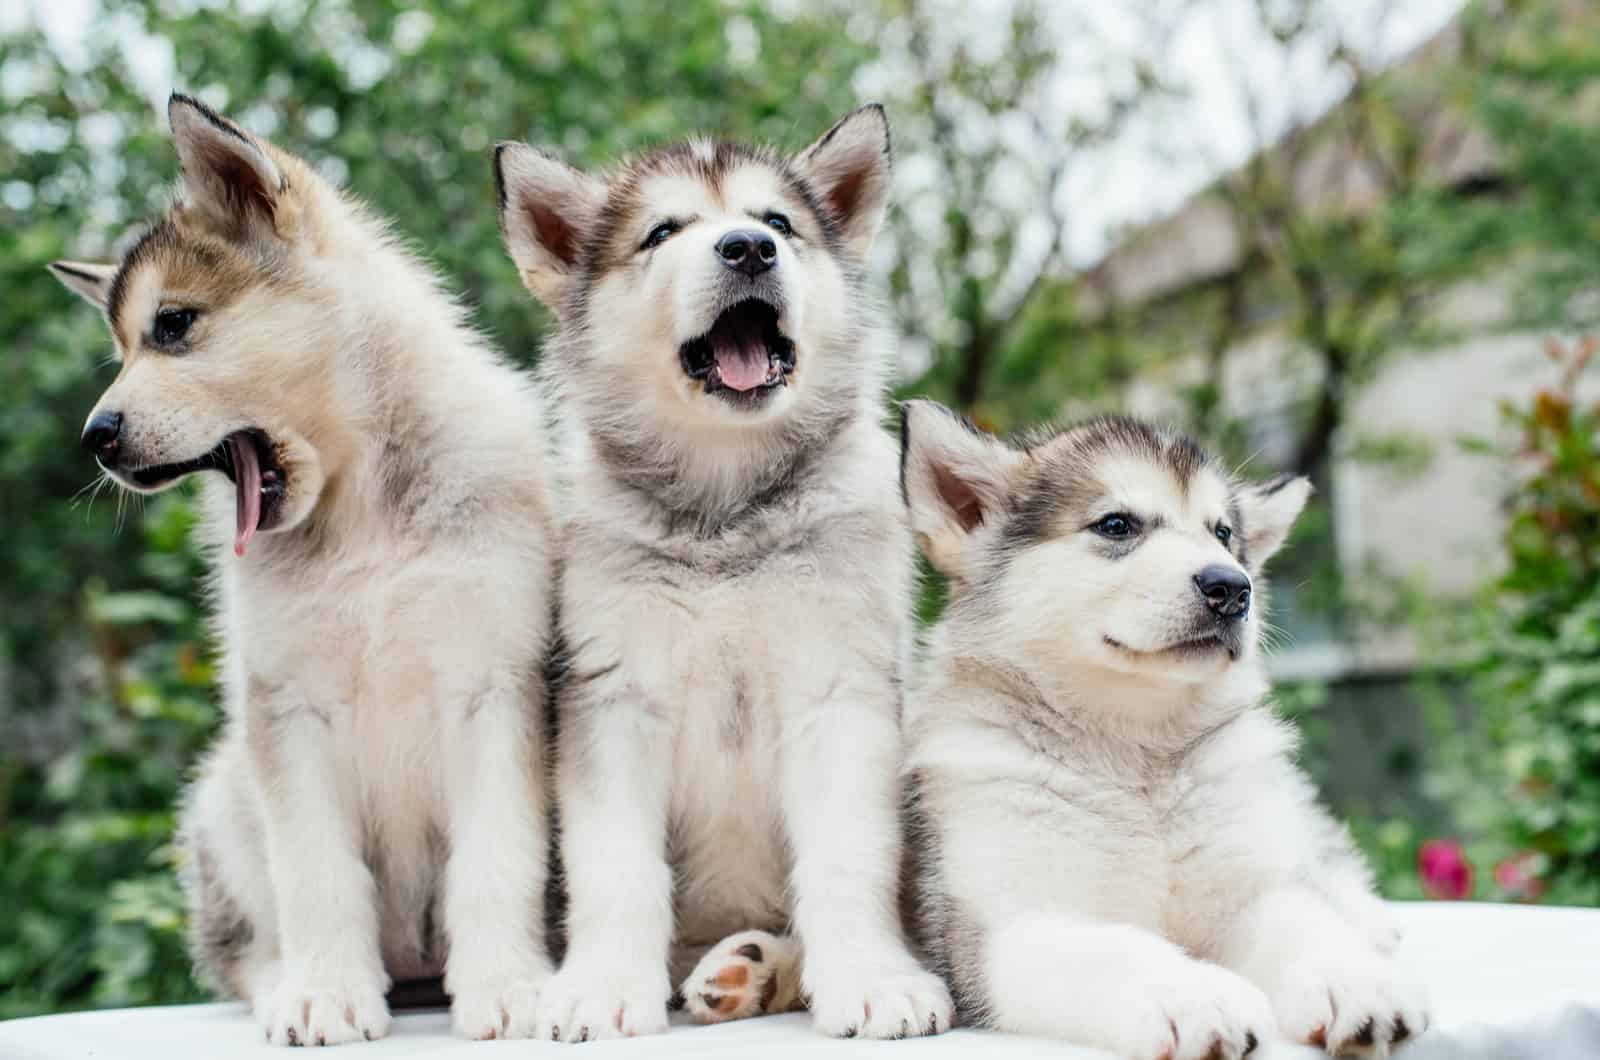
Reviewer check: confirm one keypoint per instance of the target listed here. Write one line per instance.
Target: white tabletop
(1508, 982)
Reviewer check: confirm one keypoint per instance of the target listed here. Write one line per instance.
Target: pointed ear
(849, 168)
(954, 478)
(546, 210)
(226, 172)
(88, 281)
(1268, 510)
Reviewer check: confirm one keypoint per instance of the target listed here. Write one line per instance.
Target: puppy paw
(584, 1003)
(748, 974)
(307, 1012)
(1350, 1005)
(903, 1004)
(498, 1007)
(1189, 1010)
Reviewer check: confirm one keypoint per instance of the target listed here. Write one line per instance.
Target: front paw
(1181, 1010)
(585, 1002)
(906, 1003)
(1350, 1005)
(504, 1006)
(301, 1011)
(748, 974)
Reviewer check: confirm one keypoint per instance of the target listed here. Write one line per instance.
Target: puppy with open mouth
(1113, 843)
(735, 588)
(374, 809)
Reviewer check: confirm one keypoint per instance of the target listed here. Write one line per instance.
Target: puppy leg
(1118, 988)
(233, 928)
(1329, 983)
(495, 879)
(613, 799)
(753, 973)
(332, 979)
(840, 802)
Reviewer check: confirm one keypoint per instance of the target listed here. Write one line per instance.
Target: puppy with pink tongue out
(372, 811)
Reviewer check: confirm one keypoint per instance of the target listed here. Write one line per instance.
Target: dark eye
(172, 325)
(1116, 526)
(1224, 533)
(779, 224)
(659, 235)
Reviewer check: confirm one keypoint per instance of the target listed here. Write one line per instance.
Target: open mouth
(250, 461)
(1199, 647)
(744, 357)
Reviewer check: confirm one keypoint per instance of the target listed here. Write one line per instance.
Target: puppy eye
(171, 325)
(659, 235)
(779, 224)
(1117, 525)
(1224, 533)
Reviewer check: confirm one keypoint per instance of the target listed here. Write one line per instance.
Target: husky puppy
(373, 488)
(1115, 846)
(736, 580)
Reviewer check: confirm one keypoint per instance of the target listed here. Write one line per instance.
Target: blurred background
(1356, 239)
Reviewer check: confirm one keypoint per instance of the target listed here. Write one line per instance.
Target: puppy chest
(725, 811)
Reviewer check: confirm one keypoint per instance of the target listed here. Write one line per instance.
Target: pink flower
(1519, 878)
(1445, 871)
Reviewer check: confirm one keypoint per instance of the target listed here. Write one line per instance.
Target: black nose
(1226, 589)
(749, 252)
(100, 435)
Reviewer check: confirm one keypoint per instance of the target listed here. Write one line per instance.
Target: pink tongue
(742, 360)
(247, 480)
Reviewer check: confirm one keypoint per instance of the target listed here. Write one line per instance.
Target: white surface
(1508, 982)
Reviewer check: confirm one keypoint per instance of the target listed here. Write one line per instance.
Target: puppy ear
(546, 208)
(849, 168)
(1268, 510)
(88, 281)
(227, 173)
(954, 478)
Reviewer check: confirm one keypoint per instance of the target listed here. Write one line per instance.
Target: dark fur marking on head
(70, 271)
(211, 116)
(500, 197)
(161, 235)
(1065, 470)
(1276, 483)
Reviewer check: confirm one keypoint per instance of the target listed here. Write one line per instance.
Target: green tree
(998, 123)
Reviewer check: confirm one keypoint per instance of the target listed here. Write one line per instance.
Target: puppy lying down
(1113, 844)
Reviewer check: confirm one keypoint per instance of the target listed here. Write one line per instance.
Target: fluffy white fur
(374, 810)
(735, 588)
(1114, 845)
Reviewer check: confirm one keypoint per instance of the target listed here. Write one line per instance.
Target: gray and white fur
(375, 808)
(1114, 846)
(736, 579)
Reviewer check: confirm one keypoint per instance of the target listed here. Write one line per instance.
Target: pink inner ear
(241, 181)
(555, 234)
(845, 195)
(962, 500)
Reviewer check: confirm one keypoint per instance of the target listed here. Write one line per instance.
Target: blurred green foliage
(1524, 778)
(85, 854)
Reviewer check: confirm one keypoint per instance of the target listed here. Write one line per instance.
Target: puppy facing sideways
(1114, 844)
(736, 584)
(372, 487)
